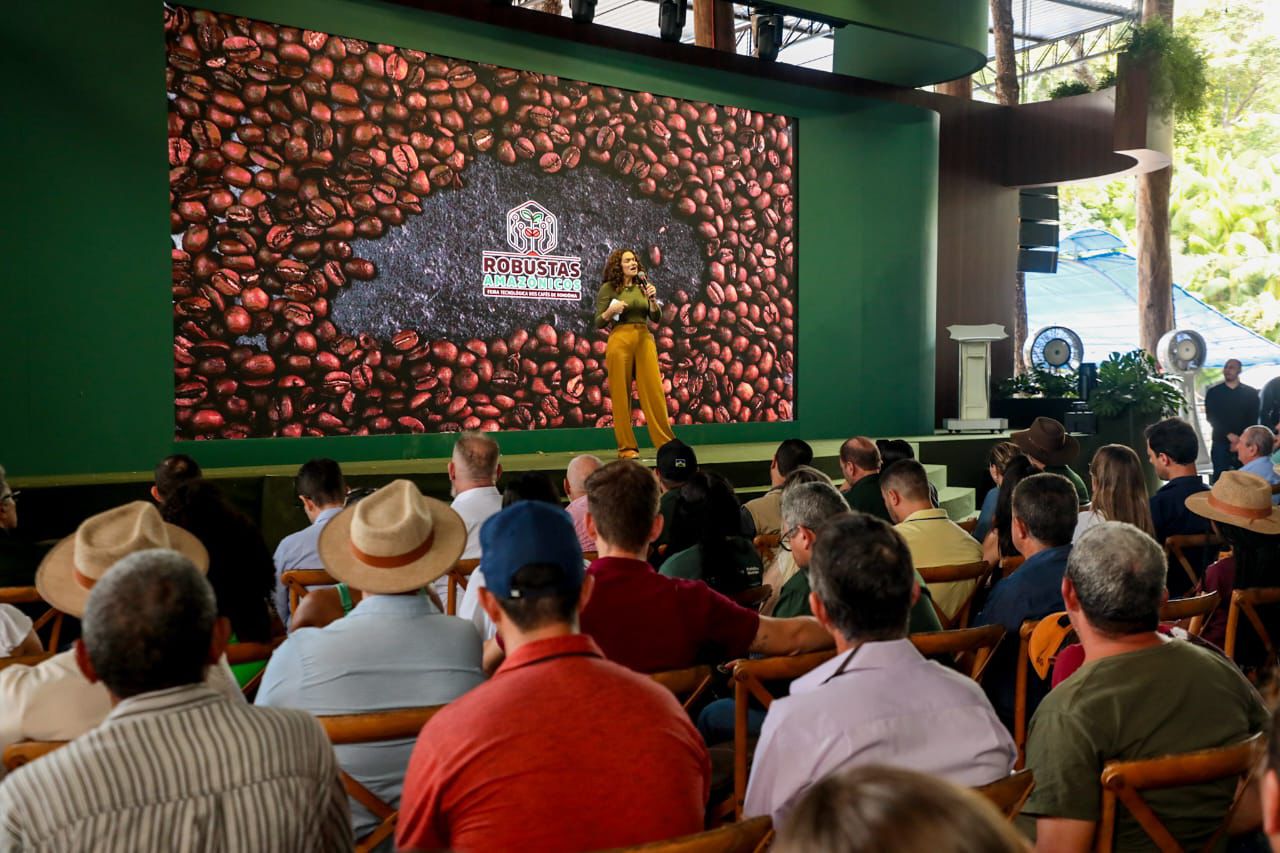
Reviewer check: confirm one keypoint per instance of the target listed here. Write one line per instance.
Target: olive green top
(639, 308)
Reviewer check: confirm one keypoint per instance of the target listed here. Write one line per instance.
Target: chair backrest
(969, 524)
(955, 574)
(1124, 782)
(749, 678)
(1177, 545)
(51, 618)
(26, 751)
(590, 556)
(754, 597)
(767, 545)
(688, 685)
(1247, 601)
(1010, 793)
(747, 836)
(26, 660)
(1009, 565)
(1194, 610)
(458, 576)
(238, 653)
(298, 581)
(371, 728)
(972, 647)
(1022, 671)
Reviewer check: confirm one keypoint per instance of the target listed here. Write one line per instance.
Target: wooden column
(713, 24)
(1155, 256)
(958, 88)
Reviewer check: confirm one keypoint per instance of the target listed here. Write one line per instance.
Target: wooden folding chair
(1020, 686)
(755, 597)
(688, 685)
(968, 525)
(1194, 611)
(748, 836)
(51, 618)
(1009, 565)
(238, 653)
(972, 647)
(1010, 793)
(955, 574)
(767, 545)
(749, 677)
(25, 660)
(590, 556)
(26, 751)
(300, 581)
(1176, 546)
(375, 727)
(1247, 601)
(1124, 781)
(458, 576)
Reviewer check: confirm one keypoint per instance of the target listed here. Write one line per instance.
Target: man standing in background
(1230, 407)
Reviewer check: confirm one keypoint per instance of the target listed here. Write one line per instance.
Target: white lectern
(975, 378)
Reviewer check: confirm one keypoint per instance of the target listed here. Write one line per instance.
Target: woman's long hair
(1018, 468)
(707, 515)
(241, 570)
(1120, 490)
(613, 267)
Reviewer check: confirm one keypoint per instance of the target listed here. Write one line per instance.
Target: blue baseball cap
(524, 533)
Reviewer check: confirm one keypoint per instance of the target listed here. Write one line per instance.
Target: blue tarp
(1095, 293)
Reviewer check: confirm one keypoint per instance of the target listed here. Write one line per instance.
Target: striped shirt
(182, 769)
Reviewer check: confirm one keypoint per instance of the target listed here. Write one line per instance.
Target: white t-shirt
(14, 628)
(1088, 518)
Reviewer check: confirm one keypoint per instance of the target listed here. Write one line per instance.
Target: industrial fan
(1183, 351)
(1056, 349)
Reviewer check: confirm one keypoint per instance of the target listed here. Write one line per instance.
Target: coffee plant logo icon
(532, 229)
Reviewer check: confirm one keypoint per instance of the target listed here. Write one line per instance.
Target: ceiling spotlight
(766, 33)
(671, 14)
(583, 10)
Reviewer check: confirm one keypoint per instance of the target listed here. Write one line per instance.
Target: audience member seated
(805, 508)
(171, 472)
(782, 567)
(1119, 491)
(575, 486)
(763, 515)
(395, 649)
(19, 556)
(322, 491)
(895, 450)
(676, 464)
(998, 543)
(860, 464)
(529, 486)
(888, 808)
(561, 749)
(1051, 450)
(1172, 447)
(240, 568)
(1254, 450)
(1240, 510)
(1139, 695)
(878, 701)
(17, 636)
(932, 537)
(1044, 517)
(174, 765)
(53, 700)
(652, 623)
(473, 475)
(705, 542)
(1002, 453)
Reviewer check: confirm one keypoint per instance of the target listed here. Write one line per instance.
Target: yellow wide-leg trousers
(632, 352)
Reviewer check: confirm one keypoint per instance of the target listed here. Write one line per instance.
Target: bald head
(475, 462)
(575, 476)
(859, 457)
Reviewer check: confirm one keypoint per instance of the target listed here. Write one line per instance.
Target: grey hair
(811, 504)
(1119, 576)
(148, 623)
(1257, 436)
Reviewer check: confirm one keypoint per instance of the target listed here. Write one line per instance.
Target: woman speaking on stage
(629, 302)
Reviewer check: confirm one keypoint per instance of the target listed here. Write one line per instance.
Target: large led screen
(371, 239)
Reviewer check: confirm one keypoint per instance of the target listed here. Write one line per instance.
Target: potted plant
(1131, 394)
(1037, 393)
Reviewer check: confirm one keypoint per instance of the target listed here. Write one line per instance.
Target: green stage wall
(85, 311)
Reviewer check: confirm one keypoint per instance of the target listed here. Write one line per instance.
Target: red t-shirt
(652, 623)
(561, 750)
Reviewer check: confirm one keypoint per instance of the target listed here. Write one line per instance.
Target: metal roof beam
(1095, 6)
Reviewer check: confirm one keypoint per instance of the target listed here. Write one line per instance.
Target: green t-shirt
(687, 564)
(864, 496)
(1082, 491)
(638, 309)
(793, 599)
(1172, 698)
(923, 616)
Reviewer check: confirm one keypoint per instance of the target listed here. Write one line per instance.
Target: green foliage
(1178, 82)
(1107, 79)
(1067, 88)
(1132, 382)
(1040, 383)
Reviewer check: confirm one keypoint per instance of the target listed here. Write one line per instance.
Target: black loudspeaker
(584, 11)
(766, 29)
(1038, 230)
(1088, 379)
(671, 15)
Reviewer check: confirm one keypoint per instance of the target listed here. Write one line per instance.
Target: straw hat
(1238, 499)
(79, 561)
(395, 540)
(1048, 441)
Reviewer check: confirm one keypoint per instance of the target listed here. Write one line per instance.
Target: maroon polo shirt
(560, 750)
(652, 623)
